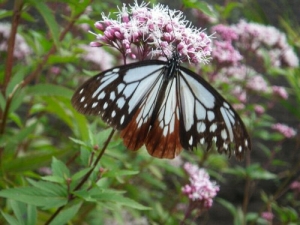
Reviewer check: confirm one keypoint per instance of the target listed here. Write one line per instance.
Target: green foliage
(52, 167)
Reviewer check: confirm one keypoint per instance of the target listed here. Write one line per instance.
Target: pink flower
(286, 131)
(200, 189)
(142, 32)
(225, 32)
(295, 186)
(280, 91)
(267, 216)
(259, 109)
(257, 83)
(224, 53)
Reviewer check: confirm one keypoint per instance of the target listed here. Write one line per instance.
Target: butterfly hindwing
(206, 117)
(163, 140)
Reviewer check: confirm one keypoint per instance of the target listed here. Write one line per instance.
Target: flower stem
(84, 179)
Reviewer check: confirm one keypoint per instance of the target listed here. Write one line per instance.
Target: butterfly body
(163, 105)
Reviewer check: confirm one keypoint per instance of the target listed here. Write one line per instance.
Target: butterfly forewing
(116, 94)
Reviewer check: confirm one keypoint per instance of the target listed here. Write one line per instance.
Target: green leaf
(29, 162)
(65, 215)
(115, 173)
(16, 118)
(19, 137)
(19, 209)
(54, 179)
(31, 215)
(59, 169)
(104, 195)
(2, 102)
(77, 141)
(80, 174)
(10, 219)
(51, 189)
(228, 205)
(5, 13)
(17, 78)
(34, 196)
(48, 16)
(49, 90)
(255, 171)
(227, 12)
(203, 6)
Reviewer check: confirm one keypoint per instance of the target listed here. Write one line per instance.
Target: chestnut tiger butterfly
(165, 107)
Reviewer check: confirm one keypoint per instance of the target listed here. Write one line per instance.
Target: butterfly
(165, 107)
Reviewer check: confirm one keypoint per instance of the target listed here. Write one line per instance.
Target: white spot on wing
(224, 134)
(210, 115)
(240, 149)
(191, 140)
(120, 102)
(112, 96)
(94, 104)
(122, 119)
(104, 84)
(105, 105)
(201, 127)
(200, 111)
(227, 122)
(213, 127)
(82, 99)
(101, 95)
(113, 113)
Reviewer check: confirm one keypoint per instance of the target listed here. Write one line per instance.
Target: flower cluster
(239, 53)
(285, 130)
(21, 49)
(141, 32)
(200, 189)
(223, 51)
(260, 40)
